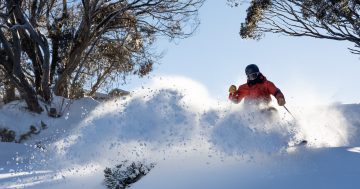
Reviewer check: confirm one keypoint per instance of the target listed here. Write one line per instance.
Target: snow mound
(165, 120)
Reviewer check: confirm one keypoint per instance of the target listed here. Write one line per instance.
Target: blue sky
(303, 68)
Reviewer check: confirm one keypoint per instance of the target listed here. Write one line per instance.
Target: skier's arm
(235, 95)
(276, 92)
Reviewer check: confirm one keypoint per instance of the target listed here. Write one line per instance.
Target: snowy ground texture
(195, 142)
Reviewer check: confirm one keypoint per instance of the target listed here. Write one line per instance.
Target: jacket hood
(260, 79)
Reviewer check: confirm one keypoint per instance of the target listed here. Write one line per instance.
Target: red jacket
(258, 90)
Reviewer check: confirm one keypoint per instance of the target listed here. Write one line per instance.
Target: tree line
(323, 19)
(61, 47)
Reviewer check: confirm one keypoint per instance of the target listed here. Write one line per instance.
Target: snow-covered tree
(125, 174)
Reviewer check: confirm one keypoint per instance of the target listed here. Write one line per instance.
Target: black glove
(281, 101)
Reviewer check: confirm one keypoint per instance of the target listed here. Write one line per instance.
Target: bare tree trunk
(26, 91)
(40, 69)
(9, 91)
(81, 42)
(29, 95)
(61, 87)
(42, 49)
(54, 59)
(99, 81)
(45, 82)
(30, 48)
(13, 70)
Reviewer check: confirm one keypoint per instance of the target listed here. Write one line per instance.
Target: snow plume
(324, 126)
(319, 121)
(175, 117)
(143, 125)
(240, 132)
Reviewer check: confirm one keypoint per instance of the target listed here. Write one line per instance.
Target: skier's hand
(232, 89)
(281, 101)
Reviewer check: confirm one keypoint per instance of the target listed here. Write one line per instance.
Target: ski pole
(303, 141)
(289, 112)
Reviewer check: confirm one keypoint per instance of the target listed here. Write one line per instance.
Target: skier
(257, 95)
(257, 90)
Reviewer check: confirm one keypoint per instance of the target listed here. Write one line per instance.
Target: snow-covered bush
(125, 174)
(32, 131)
(118, 93)
(7, 135)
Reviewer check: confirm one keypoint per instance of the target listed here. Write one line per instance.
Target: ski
(301, 143)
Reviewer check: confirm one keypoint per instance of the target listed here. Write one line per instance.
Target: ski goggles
(253, 76)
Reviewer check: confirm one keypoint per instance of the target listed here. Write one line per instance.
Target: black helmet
(252, 71)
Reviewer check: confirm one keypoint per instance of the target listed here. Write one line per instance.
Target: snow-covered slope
(195, 141)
